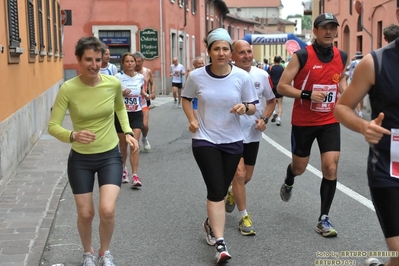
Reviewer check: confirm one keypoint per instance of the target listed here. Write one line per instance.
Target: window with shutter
(39, 5)
(13, 25)
(60, 48)
(48, 24)
(14, 39)
(31, 31)
(55, 28)
(193, 6)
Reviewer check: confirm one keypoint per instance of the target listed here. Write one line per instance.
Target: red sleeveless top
(317, 76)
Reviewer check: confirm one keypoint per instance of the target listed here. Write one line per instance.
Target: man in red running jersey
(318, 75)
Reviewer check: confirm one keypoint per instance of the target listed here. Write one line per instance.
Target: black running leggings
(218, 168)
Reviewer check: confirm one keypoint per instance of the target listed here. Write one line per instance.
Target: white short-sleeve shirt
(260, 79)
(135, 83)
(177, 73)
(216, 97)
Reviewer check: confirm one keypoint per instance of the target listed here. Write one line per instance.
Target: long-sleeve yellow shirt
(90, 108)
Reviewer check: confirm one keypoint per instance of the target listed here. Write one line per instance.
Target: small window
(193, 6)
(181, 2)
(186, 4)
(232, 32)
(39, 6)
(13, 32)
(48, 24)
(31, 32)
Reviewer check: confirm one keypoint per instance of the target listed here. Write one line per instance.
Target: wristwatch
(264, 119)
(246, 106)
(72, 136)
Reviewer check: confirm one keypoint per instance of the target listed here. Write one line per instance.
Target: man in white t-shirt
(176, 72)
(252, 127)
(108, 68)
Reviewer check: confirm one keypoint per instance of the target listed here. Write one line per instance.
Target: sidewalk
(29, 199)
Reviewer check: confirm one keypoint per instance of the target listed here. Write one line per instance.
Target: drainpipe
(162, 35)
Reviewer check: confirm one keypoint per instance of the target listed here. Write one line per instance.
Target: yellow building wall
(22, 82)
(28, 85)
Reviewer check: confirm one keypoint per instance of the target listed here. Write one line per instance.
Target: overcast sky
(292, 7)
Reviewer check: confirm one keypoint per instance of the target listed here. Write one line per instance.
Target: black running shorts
(250, 153)
(328, 137)
(135, 121)
(83, 167)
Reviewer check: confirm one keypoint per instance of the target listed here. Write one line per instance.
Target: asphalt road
(160, 224)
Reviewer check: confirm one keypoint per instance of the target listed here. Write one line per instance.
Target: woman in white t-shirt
(132, 91)
(224, 92)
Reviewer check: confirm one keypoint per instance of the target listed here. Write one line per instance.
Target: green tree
(307, 22)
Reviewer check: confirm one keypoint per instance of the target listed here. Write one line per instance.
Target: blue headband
(218, 34)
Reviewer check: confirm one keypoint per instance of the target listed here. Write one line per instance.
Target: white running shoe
(107, 259)
(278, 121)
(125, 178)
(136, 182)
(146, 144)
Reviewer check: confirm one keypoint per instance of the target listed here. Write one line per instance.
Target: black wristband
(306, 94)
(129, 133)
(265, 119)
(246, 107)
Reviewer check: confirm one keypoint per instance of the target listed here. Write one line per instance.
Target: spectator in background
(197, 63)
(265, 64)
(349, 75)
(391, 32)
(177, 71)
(275, 71)
(107, 68)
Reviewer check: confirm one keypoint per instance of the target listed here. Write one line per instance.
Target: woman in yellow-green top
(92, 99)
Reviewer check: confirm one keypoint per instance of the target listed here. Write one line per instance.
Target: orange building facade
(31, 73)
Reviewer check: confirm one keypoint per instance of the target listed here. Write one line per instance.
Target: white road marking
(353, 194)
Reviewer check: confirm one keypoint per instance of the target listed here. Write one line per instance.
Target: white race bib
(395, 152)
(329, 101)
